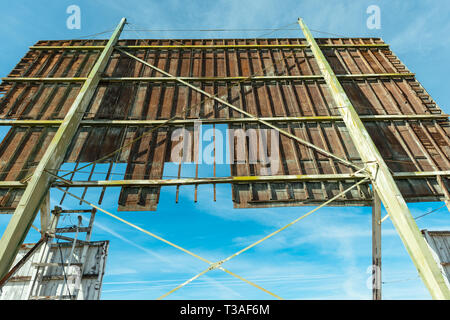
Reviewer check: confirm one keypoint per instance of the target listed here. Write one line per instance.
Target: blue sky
(325, 256)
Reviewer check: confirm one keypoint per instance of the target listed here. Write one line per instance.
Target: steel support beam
(232, 179)
(40, 182)
(209, 47)
(241, 111)
(191, 122)
(382, 180)
(376, 247)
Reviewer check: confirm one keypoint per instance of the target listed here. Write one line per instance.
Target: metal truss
(245, 113)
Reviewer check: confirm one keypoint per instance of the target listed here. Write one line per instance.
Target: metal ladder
(71, 271)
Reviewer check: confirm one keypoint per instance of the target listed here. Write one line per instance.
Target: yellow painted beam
(191, 122)
(211, 79)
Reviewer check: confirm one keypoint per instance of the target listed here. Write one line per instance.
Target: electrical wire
(267, 278)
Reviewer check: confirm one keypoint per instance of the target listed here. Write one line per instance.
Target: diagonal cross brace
(218, 265)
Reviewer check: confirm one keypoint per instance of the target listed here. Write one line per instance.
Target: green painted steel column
(376, 247)
(382, 180)
(40, 182)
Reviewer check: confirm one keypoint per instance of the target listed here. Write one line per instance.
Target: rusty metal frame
(221, 262)
(382, 180)
(40, 182)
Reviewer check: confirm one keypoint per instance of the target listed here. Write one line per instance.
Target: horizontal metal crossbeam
(52, 158)
(217, 46)
(232, 179)
(243, 112)
(206, 121)
(382, 179)
(213, 79)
